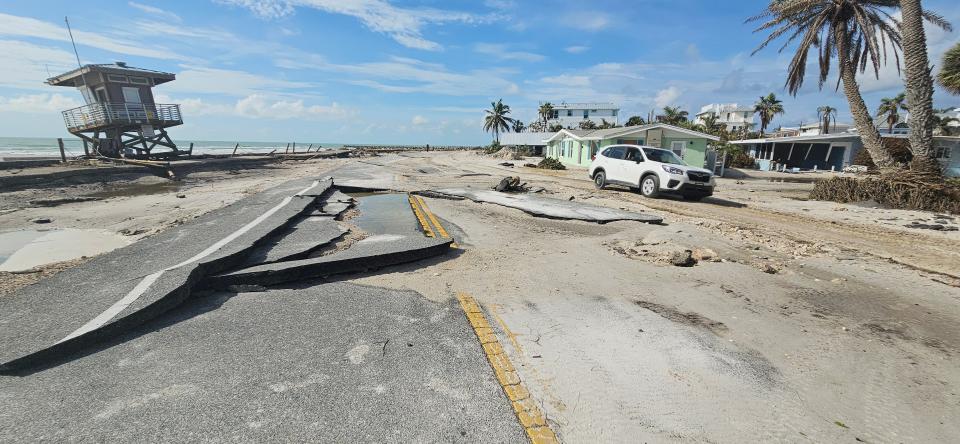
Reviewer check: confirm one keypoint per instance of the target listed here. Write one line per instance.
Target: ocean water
(11, 147)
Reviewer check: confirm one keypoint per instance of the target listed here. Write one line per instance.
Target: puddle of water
(385, 213)
(131, 190)
(26, 249)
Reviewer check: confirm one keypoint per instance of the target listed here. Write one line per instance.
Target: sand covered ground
(798, 321)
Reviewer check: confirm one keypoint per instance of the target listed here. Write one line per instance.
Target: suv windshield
(663, 156)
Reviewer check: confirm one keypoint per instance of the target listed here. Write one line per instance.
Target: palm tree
(587, 124)
(826, 114)
(919, 83)
(546, 113)
(890, 110)
(496, 120)
(949, 77)
(673, 115)
(518, 126)
(768, 107)
(635, 121)
(851, 30)
(711, 123)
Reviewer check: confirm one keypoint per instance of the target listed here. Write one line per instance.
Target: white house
(813, 129)
(731, 115)
(571, 114)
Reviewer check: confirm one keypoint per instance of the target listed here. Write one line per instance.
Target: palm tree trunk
(919, 86)
(861, 115)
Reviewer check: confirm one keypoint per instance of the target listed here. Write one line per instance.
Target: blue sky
(405, 72)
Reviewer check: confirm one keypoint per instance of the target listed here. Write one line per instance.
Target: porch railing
(105, 114)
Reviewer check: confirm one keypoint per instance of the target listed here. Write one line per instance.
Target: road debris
(511, 184)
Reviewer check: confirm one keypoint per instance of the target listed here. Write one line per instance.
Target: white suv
(652, 170)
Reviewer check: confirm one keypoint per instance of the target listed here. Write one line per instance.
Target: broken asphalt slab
(305, 235)
(546, 207)
(372, 253)
(126, 287)
(335, 362)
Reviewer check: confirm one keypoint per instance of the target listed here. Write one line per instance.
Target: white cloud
(15, 26)
(419, 120)
(152, 10)
(200, 80)
(665, 97)
(693, 53)
(260, 106)
(501, 52)
(567, 80)
(576, 49)
(404, 25)
(588, 20)
(38, 103)
(26, 65)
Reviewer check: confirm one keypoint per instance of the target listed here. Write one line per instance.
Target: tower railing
(98, 115)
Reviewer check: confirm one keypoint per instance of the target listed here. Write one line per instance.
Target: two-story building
(569, 115)
(733, 117)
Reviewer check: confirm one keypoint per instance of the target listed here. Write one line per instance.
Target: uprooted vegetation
(549, 163)
(893, 190)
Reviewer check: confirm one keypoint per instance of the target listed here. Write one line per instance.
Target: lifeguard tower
(120, 118)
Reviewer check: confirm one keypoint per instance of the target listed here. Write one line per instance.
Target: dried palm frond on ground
(902, 189)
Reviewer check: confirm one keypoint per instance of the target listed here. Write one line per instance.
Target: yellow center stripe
(423, 220)
(423, 213)
(528, 413)
(436, 223)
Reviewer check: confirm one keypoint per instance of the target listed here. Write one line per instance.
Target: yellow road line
(529, 415)
(423, 220)
(433, 218)
(420, 204)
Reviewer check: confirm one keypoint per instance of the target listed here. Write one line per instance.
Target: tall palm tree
(635, 121)
(890, 110)
(518, 126)
(767, 107)
(496, 120)
(854, 31)
(546, 112)
(673, 115)
(949, 77)
(919, 83)
(826, 114)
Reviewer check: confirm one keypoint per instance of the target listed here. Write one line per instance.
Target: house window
(677, 146)
(139, 80)
(569, 112)
(117, 78)
(586, 113)
(614, 113)
(942, 150)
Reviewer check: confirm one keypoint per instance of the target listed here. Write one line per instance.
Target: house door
(678, 147)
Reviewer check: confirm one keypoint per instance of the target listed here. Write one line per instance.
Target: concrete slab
(551, 208)
(128, 286)
(330, 363)
(372, 253)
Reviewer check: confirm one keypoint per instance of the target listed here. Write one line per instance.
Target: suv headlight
(672, 170)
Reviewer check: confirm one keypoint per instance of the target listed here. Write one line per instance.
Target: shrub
(494, 147)
(897, 190)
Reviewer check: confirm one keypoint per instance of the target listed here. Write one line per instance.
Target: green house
(577, 147)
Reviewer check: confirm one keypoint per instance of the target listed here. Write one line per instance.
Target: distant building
(951, 112)
(812, 129)
(571, 114)
(731, 115)
(833, 151)
(577, 147)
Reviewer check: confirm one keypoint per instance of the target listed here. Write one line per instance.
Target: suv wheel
(600, 180)
(650, 185)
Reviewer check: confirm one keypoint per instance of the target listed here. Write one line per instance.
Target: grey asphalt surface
(37, 317)
(332, 362)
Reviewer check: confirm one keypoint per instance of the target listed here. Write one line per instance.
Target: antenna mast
(86, 91)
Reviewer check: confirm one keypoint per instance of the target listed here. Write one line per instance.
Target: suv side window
(633, 155)
(615, 152)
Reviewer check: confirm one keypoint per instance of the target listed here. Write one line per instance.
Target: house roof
(816, 137)
(608, 133)
(69, 78)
